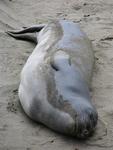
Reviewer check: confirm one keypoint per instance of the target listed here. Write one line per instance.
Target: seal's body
(55, 80)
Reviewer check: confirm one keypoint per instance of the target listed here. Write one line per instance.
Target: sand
(17, 131)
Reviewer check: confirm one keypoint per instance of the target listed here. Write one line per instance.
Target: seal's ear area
(35, 28)
(61, 61)
(26, 37)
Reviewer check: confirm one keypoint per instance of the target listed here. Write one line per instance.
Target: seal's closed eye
(54, 66)
(61, 61)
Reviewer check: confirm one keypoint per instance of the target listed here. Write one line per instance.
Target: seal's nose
(85, 132)
(86, 123)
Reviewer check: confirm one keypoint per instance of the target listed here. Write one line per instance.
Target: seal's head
(72, 87)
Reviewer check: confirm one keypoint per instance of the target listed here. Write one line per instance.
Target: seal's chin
(86, 121)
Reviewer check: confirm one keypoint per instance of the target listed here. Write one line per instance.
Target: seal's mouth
(86, 122)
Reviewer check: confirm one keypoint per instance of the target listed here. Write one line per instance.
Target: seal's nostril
(85, 132)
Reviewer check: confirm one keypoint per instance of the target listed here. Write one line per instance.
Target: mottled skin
(55, 80)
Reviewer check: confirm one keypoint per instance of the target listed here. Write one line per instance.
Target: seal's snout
(86, 123)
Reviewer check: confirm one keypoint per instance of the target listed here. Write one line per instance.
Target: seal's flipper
(26, 37)
(27, 33)
(35, 28)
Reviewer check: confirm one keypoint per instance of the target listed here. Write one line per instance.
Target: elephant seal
(55, 80)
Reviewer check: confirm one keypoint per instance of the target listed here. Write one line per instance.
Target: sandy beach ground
(17, 131)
